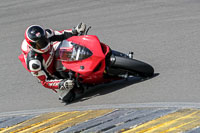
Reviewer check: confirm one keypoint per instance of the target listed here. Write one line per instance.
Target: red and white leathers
(41, 65)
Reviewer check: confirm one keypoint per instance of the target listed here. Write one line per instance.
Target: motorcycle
(89, 62)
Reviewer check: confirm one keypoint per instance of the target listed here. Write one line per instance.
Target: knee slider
(35, 65)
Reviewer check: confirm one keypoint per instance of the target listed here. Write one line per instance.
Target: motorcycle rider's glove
(80, 29)
(66, 84)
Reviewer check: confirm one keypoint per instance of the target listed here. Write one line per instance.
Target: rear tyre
(134, 67)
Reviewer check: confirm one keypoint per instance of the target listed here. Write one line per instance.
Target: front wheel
(69, 97)
(134, 67)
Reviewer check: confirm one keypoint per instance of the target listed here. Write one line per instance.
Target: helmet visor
(40, 44)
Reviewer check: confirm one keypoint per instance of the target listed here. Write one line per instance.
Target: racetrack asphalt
(162, 33)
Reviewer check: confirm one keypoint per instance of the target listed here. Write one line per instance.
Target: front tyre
(69, 97)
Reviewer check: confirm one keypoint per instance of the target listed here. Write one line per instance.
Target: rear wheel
(132, 66)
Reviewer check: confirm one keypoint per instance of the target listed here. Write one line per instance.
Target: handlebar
(86, 31)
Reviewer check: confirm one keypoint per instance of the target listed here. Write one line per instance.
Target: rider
(38, 50)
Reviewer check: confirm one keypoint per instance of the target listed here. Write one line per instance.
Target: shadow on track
(110, 87)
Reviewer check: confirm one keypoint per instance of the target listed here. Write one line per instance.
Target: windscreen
(68, 51)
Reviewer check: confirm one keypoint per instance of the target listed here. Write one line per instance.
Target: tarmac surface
(162, 33)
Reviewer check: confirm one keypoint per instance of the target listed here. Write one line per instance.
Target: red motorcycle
(90, 62)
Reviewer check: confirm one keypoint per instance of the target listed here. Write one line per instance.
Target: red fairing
(91, 69)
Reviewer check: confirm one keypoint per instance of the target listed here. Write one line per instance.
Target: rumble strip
(130, 120)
